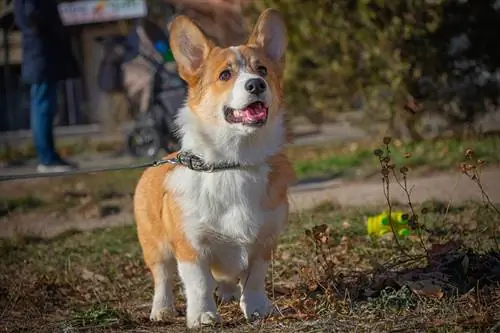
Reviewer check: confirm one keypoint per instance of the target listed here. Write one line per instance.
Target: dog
(217, 212)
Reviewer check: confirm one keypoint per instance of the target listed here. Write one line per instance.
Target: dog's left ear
(189, 44)
(270, 34)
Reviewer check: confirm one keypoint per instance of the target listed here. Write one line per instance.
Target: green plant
(345, 50)
(394, 59)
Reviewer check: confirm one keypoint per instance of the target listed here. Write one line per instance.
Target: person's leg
(43, 110)
(43, 104)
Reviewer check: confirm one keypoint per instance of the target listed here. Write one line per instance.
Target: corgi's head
(237, 89)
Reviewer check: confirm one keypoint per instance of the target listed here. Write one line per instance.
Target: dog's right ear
(189, 45)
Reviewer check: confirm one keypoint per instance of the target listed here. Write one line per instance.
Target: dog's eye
(225, 75)
(262, 70)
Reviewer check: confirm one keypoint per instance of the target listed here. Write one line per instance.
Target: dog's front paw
(164, 314)
(255, 306)
(202, 319)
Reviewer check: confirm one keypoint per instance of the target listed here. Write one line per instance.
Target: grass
(20, 204)
(97, 282)
(355, 159)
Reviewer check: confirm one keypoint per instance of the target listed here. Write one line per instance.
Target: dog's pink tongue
(254, 113)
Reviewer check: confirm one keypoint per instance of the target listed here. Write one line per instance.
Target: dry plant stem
(402, 262)
(477, 179)
(386, 186)
(404, 187)
(325, 259)
(318, 253)
(484, 193)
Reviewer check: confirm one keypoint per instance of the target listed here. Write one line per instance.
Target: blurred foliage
(380, 54)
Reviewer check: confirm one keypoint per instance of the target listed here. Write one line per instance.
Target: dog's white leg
(199, 286)
(227, 291)
(163, 299)
(254, 302)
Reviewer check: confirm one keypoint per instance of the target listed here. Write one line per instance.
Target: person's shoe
(59, 166)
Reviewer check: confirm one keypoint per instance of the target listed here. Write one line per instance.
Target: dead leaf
(426, 288)
(324, 239)
(375, 263)
(282, 290)
(437, 249)
(312, 286)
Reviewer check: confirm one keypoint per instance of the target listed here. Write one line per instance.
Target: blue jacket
(47, 53)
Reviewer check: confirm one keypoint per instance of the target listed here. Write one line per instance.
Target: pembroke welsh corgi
(217, 213)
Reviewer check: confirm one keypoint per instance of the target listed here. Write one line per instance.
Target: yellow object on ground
(379, 225)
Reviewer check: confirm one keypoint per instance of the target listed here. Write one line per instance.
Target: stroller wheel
(144, 141)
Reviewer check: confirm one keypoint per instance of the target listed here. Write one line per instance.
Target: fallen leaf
(282, 290)
(437, 249)
(426, 288)
(375, 263)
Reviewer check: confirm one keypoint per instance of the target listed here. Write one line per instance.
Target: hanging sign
(93, 11)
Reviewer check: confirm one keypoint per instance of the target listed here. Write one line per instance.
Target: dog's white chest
(221, 207)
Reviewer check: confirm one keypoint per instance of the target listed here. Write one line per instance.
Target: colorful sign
(93, 11)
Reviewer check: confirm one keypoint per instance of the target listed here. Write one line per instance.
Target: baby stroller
(152, 85)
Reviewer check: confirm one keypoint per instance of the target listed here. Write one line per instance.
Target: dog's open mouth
(254, 114)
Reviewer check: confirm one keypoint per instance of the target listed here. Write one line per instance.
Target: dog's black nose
(255, 86)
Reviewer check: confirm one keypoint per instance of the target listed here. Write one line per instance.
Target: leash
(35, 175)
(185, 159)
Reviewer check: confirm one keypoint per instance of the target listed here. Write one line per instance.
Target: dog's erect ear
(189, 45)
(270, 34)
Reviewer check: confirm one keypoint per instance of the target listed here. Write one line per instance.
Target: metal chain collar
(196, 163)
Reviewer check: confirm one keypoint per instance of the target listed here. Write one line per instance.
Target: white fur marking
(163, 299)
(199, 286)
(239, 58)
(240, 97)
(231, 143)
(254, 302)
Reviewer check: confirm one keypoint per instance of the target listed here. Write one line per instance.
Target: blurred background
(414, 82)
(414, 69)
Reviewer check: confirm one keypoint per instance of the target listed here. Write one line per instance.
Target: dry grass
(97, 282)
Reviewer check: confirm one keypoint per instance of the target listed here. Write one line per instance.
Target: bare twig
(385, 169)
(472, 170)
(414, 217)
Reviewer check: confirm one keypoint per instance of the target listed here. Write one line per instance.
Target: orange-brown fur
(158, 218)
